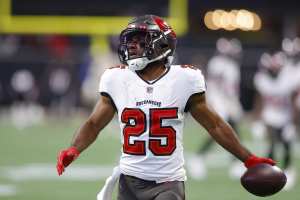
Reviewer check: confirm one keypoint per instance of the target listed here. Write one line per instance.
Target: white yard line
(216, 158)
(48, 172)
(8, 190)
(40, 171)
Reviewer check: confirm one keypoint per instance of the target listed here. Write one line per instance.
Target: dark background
(39, 53)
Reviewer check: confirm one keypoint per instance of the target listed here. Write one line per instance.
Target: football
(263, 180)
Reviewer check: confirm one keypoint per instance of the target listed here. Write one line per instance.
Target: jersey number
(135, 120)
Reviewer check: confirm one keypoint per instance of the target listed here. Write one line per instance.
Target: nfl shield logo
(149, 89)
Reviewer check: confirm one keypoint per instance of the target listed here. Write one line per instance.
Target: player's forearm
(227, 138)
(85, 136)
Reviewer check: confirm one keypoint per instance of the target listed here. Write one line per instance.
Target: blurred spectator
(291, 47)
(9, 44)
(223, 80)
(59, 88)
(274, 106)
(58, 46)
(44, 70)
(25, 110)
(23, 83)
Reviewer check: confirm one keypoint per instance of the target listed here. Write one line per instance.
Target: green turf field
(28, 158)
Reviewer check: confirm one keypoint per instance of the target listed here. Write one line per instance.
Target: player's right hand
(65, 157)
(254, 160)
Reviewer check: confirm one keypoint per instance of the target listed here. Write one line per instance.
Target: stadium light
(208, 21)
(232, 20)
(257, 22)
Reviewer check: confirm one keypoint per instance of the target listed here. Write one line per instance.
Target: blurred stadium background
(52, 54)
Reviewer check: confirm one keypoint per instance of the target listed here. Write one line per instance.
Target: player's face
(276, 65)
(274, 70)
(136, 45)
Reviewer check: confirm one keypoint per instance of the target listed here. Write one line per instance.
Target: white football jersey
(151, 116)
(276, 94)
(223, 79)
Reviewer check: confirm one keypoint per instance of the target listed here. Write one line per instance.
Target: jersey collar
(154, 81)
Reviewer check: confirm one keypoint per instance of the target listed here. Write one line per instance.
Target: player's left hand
(254, 160)
(65, 157)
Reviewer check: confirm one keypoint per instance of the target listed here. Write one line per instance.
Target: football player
(223, 80)
(291, 47)
(151, 98)
(275, 106)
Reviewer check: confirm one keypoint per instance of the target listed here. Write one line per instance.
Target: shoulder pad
(189, 66)
(118, 66)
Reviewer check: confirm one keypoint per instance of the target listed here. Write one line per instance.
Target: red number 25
(135, 120)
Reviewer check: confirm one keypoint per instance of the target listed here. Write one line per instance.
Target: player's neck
(153, 71)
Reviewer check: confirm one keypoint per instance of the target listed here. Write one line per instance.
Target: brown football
(263, 180)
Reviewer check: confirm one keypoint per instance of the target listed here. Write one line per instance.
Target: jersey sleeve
(198, 82)
(107, 85)
(105, 82)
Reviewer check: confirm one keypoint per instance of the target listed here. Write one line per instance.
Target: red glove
(254, 160)
(65, 157)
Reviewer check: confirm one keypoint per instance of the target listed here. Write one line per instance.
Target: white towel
(110, 183)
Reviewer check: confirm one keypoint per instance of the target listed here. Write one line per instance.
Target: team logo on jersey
(148, 101)
(149, 90)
